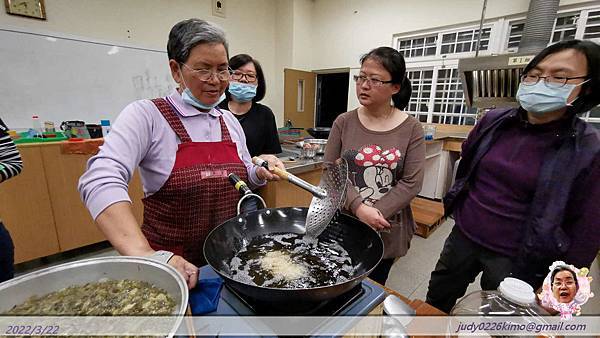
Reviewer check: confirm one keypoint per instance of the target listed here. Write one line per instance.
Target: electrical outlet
(218, 8)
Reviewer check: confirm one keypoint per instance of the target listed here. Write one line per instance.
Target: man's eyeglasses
(549, 81)
(206, 75)
(360, 79)
(238, 76)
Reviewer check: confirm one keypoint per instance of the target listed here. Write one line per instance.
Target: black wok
(362, 243)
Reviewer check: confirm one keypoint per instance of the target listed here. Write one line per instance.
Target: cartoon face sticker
(564, 285)
(374, 171)
(565, 289)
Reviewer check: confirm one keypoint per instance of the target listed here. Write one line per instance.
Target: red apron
(197, 196)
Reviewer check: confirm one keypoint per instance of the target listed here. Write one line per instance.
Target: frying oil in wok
(291, 261)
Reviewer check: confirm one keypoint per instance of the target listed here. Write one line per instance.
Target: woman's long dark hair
(394, 63)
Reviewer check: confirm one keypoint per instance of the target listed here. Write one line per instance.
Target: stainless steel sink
(286, 153)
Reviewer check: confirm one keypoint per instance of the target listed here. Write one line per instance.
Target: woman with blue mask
(247, 87)
(526, 191)
(184, 148)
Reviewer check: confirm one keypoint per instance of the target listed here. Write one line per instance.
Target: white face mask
(541, 99)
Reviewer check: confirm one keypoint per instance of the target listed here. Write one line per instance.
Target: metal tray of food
(38, 283)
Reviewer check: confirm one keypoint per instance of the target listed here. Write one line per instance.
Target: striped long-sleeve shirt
(10, 159)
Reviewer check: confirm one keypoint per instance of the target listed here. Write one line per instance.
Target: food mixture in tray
(104, 298)
(291, 261)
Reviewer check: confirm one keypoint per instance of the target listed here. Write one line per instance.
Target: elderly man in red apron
(184, 148)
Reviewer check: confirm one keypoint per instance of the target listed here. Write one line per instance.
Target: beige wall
(284, 32)
(300, 34)
(304, 35)
(349, 28)
(250, 26)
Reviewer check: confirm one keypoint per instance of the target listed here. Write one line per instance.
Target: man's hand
(373, 217)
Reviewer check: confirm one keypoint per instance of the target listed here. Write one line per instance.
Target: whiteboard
(63, 78)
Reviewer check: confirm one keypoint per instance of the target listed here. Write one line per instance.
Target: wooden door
(299, 98)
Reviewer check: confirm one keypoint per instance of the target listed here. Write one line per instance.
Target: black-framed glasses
(360, 79)
(549, 81)
(206, 75)
(238, 76)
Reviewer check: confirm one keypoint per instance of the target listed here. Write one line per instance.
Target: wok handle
(238, 184)
(241, 186)
(316, 191)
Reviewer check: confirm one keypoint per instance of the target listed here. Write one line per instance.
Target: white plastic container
(36, 125)
(514, 298)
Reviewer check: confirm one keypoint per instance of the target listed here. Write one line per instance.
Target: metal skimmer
(322, 210)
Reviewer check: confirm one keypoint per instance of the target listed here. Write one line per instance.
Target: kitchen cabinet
(42, 208)
(439, 165)
(433, 163)
(74, 225)
(282, 194)
(441, 154)
(26, 210)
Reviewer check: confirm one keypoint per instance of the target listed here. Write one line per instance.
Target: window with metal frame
(592, 25)
(421, 83)
(449, 103)
(565, 27)
(419, 46)
(464, 41)
(515, 34)
(437, 95)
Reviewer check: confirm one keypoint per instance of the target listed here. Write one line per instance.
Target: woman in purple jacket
(526, 192)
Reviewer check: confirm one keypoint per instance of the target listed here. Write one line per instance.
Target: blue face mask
(189, 98)
(541, 99)
(242, 92)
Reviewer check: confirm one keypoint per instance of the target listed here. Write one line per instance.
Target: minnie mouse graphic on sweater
(373, 171)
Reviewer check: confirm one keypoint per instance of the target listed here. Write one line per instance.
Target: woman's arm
(121, 229)
(10, 159)
(104, 186)
(108, 173)
(409, 185)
